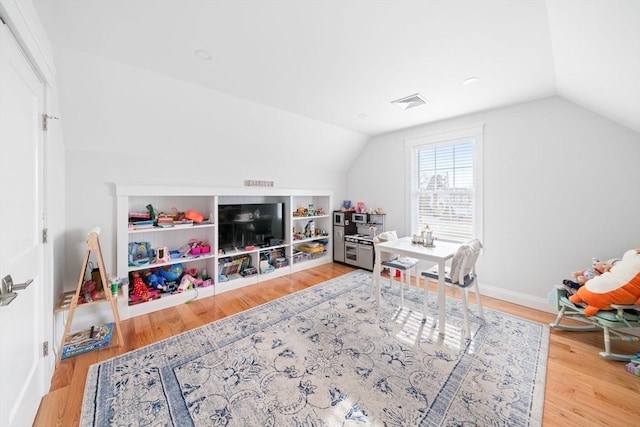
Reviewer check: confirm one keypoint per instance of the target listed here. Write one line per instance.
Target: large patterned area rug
(330, 356)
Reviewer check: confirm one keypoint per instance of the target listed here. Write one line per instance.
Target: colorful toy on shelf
(188, 281)
(172, 273)
(199, 248)
(140, 253)
(308, 211)
(140, 290)
(142, 215)
(89, 292)
(163, 255)
(152, 213)
(194, 216)
(192, 271)
(310, 229)
(164, 221)
(155, 281)
(183, 250)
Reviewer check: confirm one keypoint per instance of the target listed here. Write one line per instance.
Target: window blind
(443, 189)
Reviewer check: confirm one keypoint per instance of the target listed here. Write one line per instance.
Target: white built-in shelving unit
(300, 251)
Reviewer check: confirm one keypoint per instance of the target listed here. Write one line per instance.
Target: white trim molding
(475, 133)
(519, 298)
(25, 25)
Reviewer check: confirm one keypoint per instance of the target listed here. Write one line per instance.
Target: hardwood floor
(581, 387)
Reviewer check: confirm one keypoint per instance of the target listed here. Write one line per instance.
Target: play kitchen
(353, 234)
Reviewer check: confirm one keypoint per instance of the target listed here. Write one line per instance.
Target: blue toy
(140, 253)
(171, 273)
(155, 281)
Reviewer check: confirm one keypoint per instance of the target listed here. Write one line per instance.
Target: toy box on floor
(95, 338)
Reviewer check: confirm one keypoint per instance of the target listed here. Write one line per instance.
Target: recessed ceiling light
(203, 54)
(471, 81)
(362, 115)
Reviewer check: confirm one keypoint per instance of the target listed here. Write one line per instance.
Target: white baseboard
(519, 298)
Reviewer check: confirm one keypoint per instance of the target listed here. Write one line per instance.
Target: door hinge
(45, 235)
(45, 121)
(45, 349)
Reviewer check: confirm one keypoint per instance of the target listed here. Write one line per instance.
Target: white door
(21, 248)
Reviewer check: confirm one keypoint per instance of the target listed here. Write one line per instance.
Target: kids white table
(440, 253)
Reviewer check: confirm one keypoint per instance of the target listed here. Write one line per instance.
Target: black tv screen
(250, 224)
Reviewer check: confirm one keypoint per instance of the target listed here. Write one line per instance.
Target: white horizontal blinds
(443, 188)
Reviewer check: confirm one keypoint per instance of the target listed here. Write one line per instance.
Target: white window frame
(472, 134)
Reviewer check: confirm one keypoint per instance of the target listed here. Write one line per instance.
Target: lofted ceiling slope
(343, 62)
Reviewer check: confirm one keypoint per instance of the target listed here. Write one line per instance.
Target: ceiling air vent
(410, 101)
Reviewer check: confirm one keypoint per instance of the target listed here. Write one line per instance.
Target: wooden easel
(93, 245)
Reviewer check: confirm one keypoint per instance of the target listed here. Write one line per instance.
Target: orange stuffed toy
(620, 285)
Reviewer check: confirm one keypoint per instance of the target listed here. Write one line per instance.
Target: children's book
(88, 340)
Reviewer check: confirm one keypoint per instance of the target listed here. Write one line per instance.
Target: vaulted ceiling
(343, 62)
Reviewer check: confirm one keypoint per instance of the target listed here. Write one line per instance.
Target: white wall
(125, 124)
(561, 185)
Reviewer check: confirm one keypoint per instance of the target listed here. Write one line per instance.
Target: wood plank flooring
(581, 387)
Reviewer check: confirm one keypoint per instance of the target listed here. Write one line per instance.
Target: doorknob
(7, 289)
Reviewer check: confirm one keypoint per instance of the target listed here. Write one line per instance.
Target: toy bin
(200, 250)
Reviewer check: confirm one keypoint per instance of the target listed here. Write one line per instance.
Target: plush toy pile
(597, 268)
(616, 284)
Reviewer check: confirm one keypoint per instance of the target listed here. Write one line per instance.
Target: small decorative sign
(257, 183)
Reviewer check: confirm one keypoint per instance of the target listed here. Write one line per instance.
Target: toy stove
(358, 251)
(362, 239)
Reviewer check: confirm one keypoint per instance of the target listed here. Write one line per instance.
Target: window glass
(445, 185)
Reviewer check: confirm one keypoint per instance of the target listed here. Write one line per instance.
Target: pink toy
(188, 280)
(198, 248)
(89, 292)
(162, 255)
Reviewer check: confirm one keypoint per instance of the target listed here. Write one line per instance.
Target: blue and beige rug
(329, 356)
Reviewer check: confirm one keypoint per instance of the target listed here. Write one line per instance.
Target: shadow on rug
(329, 356)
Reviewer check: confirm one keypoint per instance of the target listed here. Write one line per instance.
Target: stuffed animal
(597, 268)
(619, 285)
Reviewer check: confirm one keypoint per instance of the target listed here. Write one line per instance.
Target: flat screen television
(250, 224)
